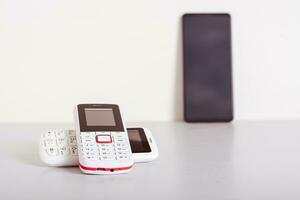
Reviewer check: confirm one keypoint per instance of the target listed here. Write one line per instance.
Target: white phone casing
(97, 166)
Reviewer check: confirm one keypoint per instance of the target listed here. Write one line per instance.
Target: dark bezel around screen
(82, 118)
(144, 141)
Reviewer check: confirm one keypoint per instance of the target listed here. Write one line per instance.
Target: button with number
(60, 133)
(52, 151)
(49, 134)
(90, 157)
(50, 142)
(104, 157)
(105, 153)
(122, 157)
(102, 149)
(111, 157)
(111, 154)
(120, 149)
(72, 133)
(121, 145)
(64, 151)
(87, 140)
(62, 141)
(124, 153)
(74, 150)
(93, 146)
(73, 140)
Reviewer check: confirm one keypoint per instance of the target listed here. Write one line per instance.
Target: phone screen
(138, 140)
(207, 67)
(99, 117)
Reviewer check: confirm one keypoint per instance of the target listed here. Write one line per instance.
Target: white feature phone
(102, 139)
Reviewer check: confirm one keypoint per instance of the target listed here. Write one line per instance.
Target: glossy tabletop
(239, 160)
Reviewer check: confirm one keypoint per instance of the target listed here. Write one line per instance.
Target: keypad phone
(102, 139)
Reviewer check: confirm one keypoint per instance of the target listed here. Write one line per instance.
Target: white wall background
(56, 53)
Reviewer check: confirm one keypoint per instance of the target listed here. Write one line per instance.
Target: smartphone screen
(207, 68)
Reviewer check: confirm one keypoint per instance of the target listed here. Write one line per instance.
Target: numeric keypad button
(85, 149)
(73, 150)
(91, 146)
(73, 140)
(60, 134)
(123, 153)
(107, 158)
(121, 145)
(103, 157)
(121, 157)
(113, 157)
(90, 153)
(52, 151)
(72, 133)
(50, 142)
(62, 141)
(90, 157)
(107, 153)
(88, 141)
(126, 157)
(121, 149)
(104, 149)
(64, 151)
(87, 135)
(49, 134)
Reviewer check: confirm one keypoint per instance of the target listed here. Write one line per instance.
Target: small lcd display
(99, 117)
(138, 141)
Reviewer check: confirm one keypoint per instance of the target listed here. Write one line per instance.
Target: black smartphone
(207, 68)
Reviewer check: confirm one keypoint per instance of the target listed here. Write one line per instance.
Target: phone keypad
(116, 149)
(60, 143)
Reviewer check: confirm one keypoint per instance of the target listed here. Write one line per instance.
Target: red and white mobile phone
(103, 143)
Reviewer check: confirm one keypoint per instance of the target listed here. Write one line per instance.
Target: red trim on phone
(105, 169)
(103, 142)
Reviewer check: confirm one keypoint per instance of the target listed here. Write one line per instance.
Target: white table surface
(239, 160)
